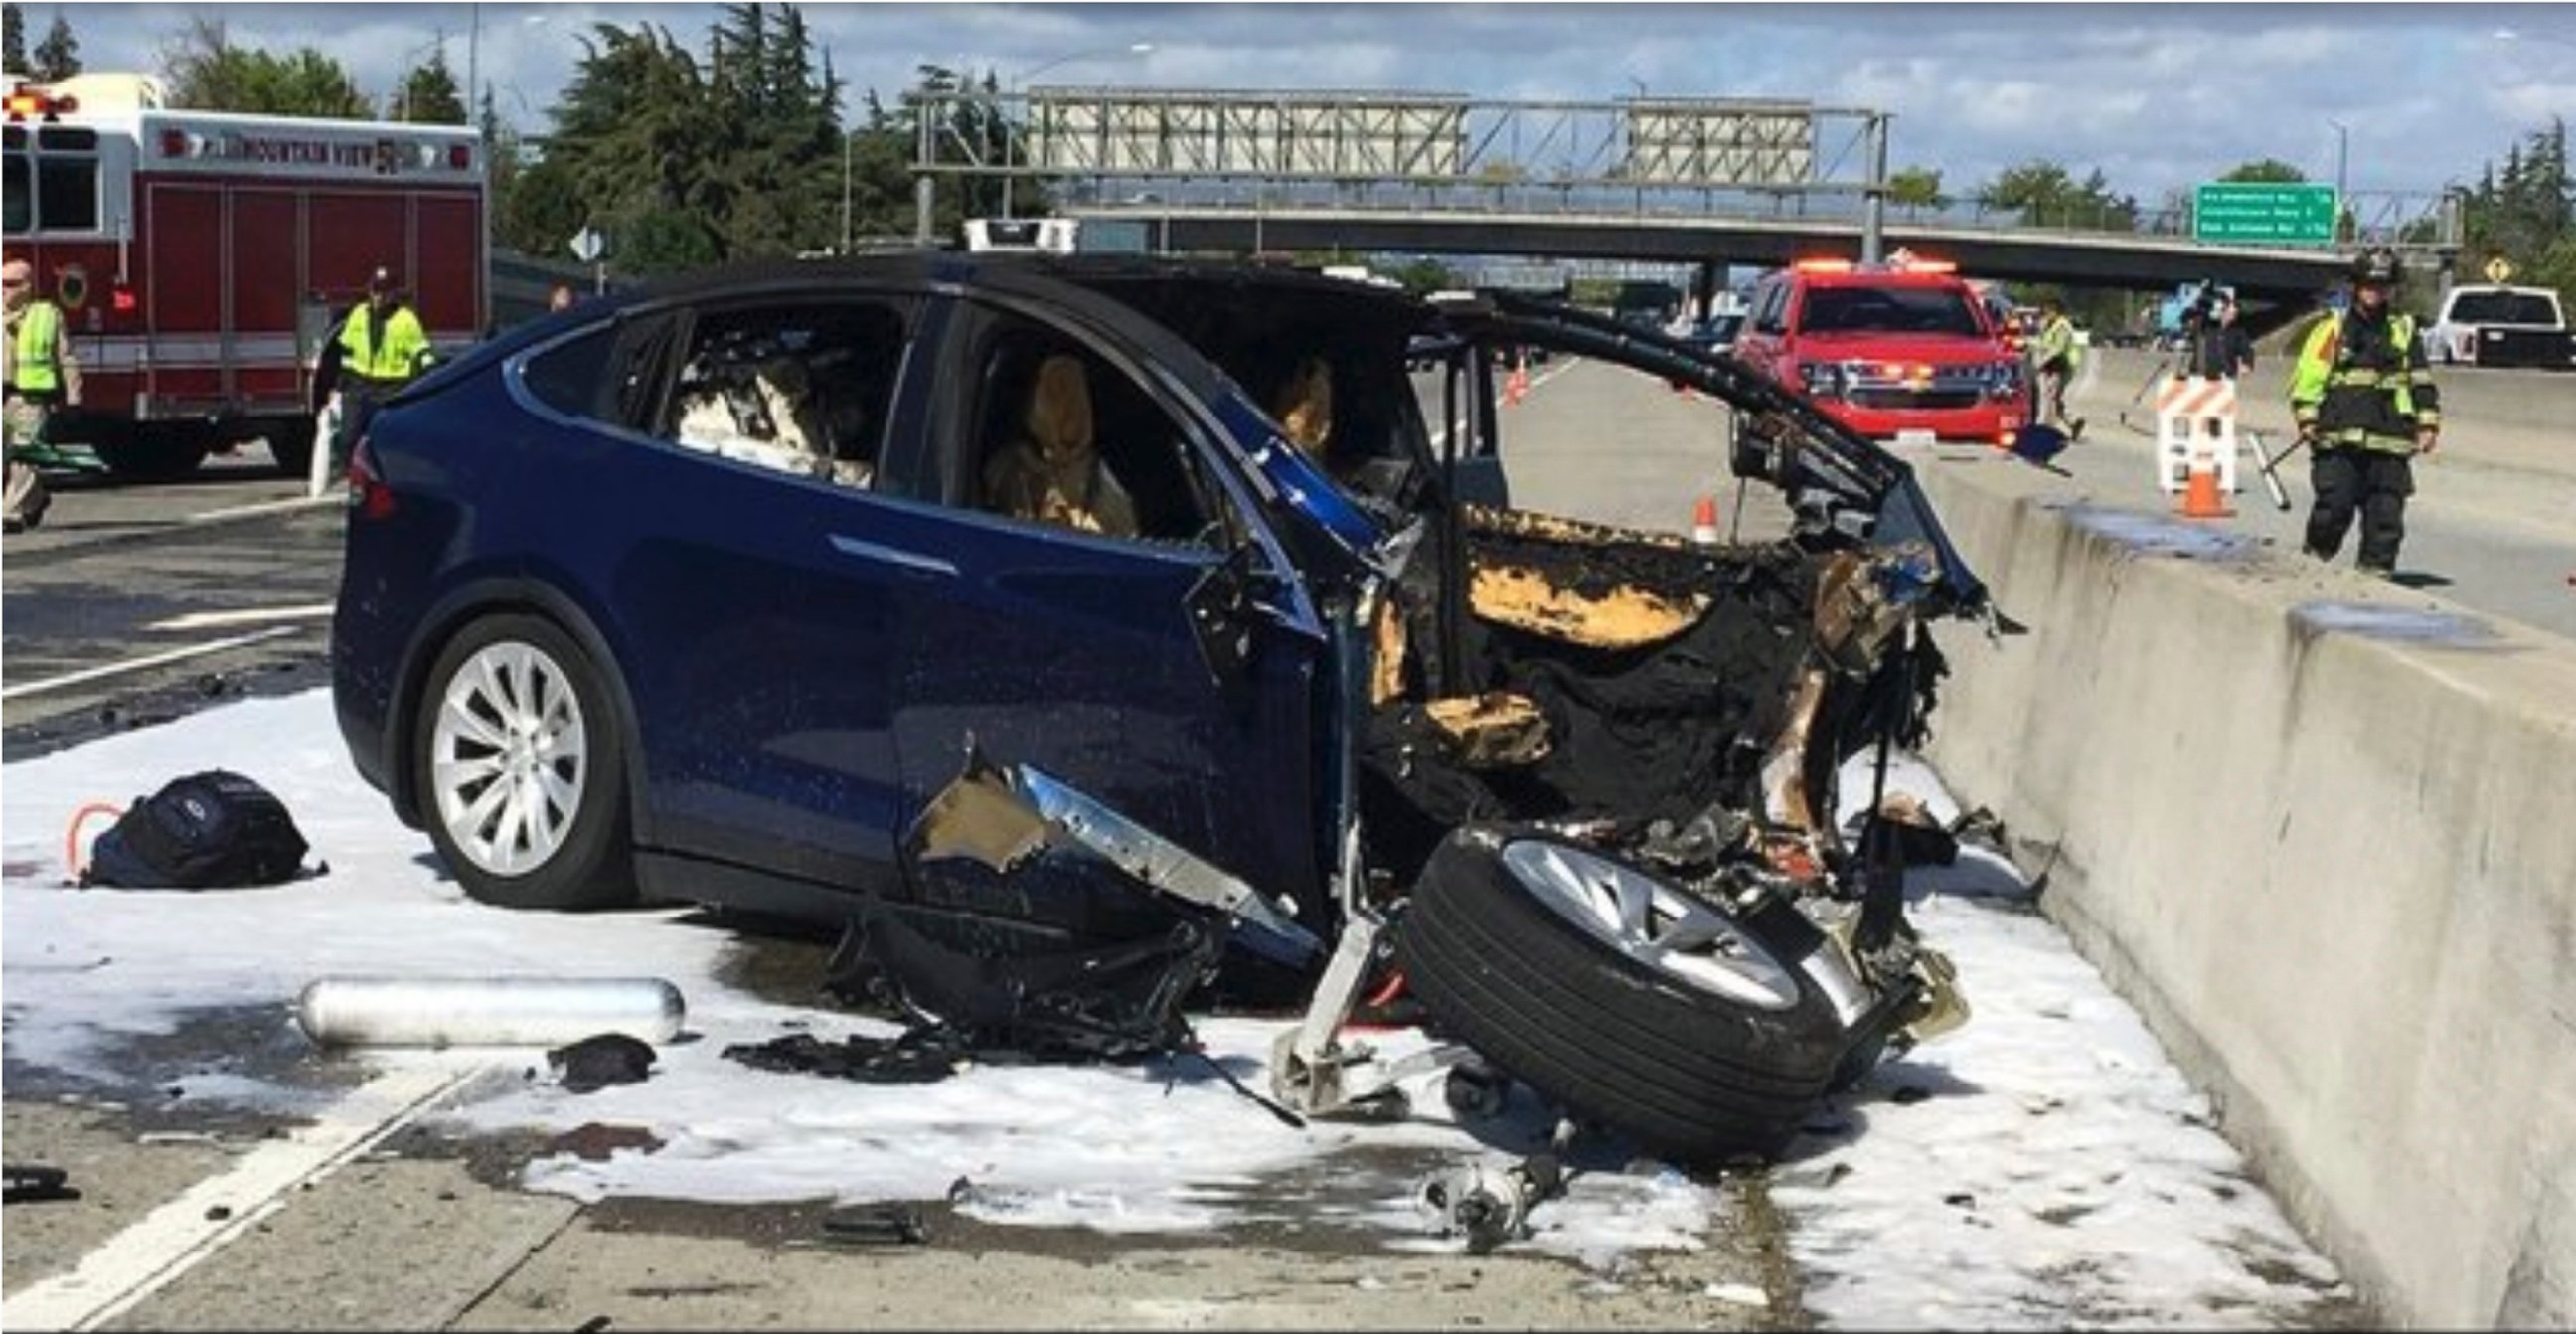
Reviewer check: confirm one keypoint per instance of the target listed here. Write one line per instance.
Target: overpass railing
(1439, 153)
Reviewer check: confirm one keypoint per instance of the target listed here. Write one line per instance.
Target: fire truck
(203, 258)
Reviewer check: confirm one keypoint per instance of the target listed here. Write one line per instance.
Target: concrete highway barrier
(2322, 831)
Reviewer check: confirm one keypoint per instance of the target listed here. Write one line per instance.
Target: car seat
(1054, 472)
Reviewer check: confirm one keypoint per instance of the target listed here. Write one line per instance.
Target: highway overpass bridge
(2075, 259)
(1700, 180)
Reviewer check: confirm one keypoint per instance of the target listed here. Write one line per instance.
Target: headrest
(1059, 420)
(1305, 405)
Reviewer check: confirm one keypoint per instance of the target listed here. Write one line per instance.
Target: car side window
(1770, 316)
(804, 389)
(571, 377)
(1057, 435)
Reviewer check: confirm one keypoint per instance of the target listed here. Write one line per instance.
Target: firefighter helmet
(2375, 268)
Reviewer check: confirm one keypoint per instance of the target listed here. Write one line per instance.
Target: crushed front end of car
(1582, 799)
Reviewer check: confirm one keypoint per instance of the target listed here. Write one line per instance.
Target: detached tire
(520, 770)
(1697, 1032)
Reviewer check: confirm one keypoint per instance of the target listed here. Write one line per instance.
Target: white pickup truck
(2494, 325)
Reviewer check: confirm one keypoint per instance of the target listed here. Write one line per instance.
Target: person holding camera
(2214, 348)
(2364, 398)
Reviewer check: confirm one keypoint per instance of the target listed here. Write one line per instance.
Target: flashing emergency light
(1823, 266)
(122, 300)
(24, 101)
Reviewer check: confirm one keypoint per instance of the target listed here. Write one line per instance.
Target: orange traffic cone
(1516, 386)
(2200, 499)
(1704, 521)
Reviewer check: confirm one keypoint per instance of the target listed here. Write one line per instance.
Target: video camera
(2205, 301)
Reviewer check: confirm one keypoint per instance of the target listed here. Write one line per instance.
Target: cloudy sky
(2157, 96)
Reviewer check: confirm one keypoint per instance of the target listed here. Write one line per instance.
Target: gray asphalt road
(133, 603)
(2492, 526)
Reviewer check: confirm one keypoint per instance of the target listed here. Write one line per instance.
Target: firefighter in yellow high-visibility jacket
(2364, 398)
(38, 374)
(380, 347)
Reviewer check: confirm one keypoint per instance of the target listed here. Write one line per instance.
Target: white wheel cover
(509, 758)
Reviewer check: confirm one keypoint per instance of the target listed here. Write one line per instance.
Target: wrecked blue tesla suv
(1025, 607)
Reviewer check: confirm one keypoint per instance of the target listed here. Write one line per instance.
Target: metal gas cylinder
(485, 1011)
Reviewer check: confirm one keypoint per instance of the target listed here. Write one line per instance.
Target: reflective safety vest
(2364, 385)
(31, 357)
(405, 349)
(2058, 340)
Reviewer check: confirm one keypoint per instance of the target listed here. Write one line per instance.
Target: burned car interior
(802, 390)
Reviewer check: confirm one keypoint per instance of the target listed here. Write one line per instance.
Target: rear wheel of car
(521, 771)
(1628, 1002)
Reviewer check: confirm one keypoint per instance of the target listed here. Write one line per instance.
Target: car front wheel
(520, 769)
(1620, 997)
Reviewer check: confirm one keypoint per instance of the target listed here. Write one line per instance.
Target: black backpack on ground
(211, 830)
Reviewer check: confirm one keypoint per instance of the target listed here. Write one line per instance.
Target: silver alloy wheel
(1652, 923)
(509, 758)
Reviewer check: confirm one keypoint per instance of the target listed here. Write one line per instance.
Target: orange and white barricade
(2194, 411)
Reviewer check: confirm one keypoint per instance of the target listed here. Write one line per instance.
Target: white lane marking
(265, 507)
(207, 620)
(138, 664)
(169, 1241)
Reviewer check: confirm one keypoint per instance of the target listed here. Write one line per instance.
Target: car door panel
(1075, 654)
(761, 650)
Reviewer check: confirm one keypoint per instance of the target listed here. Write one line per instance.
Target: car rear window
(1917, 310)
(2502, 308)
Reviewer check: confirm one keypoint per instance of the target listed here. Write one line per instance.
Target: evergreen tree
(13, 39)
(542, 212)
(428, 94)
(58, 56)
(639, 133)
(2525, 213)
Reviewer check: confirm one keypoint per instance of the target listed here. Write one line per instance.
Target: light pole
(1014, 81)
(474, 60)
(2343, 155)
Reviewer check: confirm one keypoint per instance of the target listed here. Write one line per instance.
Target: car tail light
(369, 496)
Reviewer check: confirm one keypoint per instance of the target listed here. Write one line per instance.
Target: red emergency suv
(1905, 352)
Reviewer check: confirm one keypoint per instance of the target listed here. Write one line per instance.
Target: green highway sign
(2264, 213)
